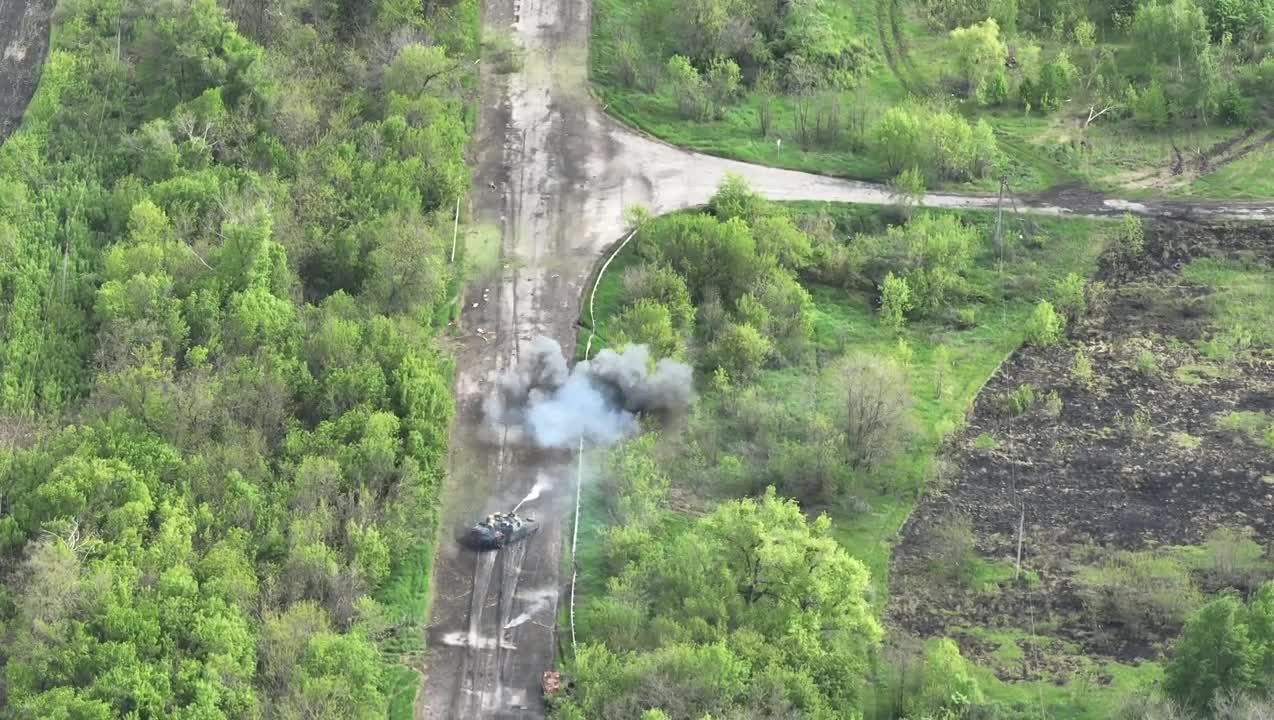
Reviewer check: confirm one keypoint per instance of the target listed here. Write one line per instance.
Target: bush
(1215, 654)
(899, 141)
(1233, 557)
(689, 89)
(1020, 401)
(723, 82)
(1052, 405)
(1144, 590)
(1150, 108)
(877, 410)
(1129, 237)
(741, 350)
(895, 302)
(1045, 325)
(1082, 368)
(908, 190)
(663, 285)
(981, 54)
(952, 546)
(648, 323)
(947, 687)
(1068, 296)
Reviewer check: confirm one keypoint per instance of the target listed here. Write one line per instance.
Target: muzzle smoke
(598, 401)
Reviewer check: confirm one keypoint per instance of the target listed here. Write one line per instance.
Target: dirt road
(24, 39)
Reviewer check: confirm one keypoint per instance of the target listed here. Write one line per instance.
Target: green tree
(740, 349)
(908, 190)
(663, 285)
(649, 323)
(945, 682)
(689, 89)
(980, 53)
(1150, 107)
(898, 140)
(722, 82)
(1045, 326)
(895, 301)
(1174, 31)
(1215, 654)
(778, 237)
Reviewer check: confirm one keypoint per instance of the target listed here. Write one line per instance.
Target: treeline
(225, 417)
(1186, 61)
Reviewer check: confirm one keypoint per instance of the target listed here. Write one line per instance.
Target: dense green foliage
(223, 262)
(1046, 92)
(843, 417)
(1226, 647)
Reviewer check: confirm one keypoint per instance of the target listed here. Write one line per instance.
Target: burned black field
(1131, 465)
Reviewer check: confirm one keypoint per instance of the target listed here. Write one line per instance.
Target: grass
(1091, 691)
(406, 599)
(1242, 296)
(1248, 177)
(1040, 150)
(1254, 426)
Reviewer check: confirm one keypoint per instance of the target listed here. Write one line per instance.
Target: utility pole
(998, 238)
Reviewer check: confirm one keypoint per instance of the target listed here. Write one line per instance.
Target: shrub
(1082, 368)
(1233, 557)
(947, 687)
(1144, 590)
(1129, 238)
(741, 350)
(898, 139)
(952, 546)
(689, 88)
(895, 302)
(1045, 325)
(1052, 404)
(1020, 401)
(1146, 363)
(908, 189)
(986, 154)
(877, 407)
(1068, 296)
(649, 323)
(662, 285)
(1215, 654)
(1150, 108)
(723, 82)
(980, 53)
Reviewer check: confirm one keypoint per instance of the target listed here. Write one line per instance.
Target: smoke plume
(598, 401)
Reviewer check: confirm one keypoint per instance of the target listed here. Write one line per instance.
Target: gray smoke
(598, 401)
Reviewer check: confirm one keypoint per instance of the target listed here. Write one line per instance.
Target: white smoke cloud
(598, 401)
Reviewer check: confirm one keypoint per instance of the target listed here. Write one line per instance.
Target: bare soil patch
(1135, 462)
(24, 40)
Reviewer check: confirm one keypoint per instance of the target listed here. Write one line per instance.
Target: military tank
(498, 530)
